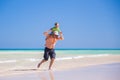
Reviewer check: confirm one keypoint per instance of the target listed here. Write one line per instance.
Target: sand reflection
(47, 75)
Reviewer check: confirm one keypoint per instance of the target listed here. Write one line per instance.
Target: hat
(56, 33)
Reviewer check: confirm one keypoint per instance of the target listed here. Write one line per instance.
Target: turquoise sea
(9, 55)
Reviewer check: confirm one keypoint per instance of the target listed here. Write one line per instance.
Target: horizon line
(61, 48)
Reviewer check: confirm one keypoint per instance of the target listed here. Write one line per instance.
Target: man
(51, 40)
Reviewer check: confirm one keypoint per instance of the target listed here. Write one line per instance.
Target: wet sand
(96, 72)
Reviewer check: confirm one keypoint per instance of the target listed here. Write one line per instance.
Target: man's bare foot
(38, 65)
(49, 69)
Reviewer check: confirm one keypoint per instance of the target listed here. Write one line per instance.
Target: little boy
(55, 28)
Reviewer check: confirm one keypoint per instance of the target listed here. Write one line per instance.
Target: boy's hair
(56, 23)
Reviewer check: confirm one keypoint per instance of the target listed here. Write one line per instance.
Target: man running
(50, 43)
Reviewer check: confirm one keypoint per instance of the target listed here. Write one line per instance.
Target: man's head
(56, 24)
(56, 33)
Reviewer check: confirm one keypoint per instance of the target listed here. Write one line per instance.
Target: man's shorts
(49, 52)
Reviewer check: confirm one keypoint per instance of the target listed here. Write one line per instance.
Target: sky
(84, 23)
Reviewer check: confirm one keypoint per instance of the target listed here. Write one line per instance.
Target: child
(55, 28)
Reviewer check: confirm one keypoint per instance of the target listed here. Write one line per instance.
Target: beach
(66, 67)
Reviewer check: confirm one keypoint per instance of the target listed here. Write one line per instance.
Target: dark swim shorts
(49, 52)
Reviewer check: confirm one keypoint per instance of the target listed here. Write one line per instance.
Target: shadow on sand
(29, 70)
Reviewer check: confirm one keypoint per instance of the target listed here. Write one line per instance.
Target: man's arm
(47, 32)
(61, 36)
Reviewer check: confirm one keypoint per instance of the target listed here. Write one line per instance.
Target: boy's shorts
(49, 52)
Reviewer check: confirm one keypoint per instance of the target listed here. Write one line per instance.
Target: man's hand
(60, 33)
(61, 36)
(45, 33)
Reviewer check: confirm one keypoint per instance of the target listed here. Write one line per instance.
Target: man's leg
(41, 63)
(52, 57)
(51, 63)
(46, 56)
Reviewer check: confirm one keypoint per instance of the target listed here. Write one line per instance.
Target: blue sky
(84, 23)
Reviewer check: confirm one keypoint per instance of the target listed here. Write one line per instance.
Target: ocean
(14, 59)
